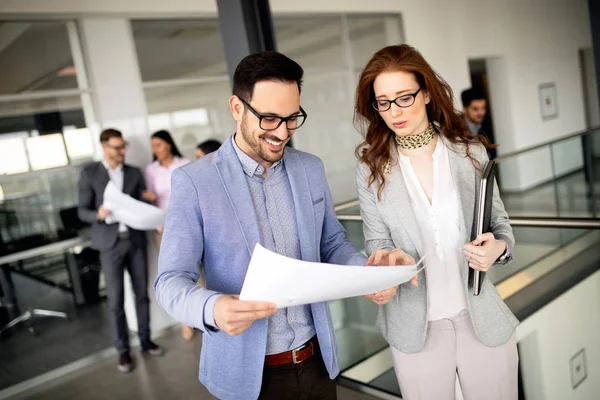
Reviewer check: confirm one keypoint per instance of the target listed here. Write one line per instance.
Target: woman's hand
(149, 196)
(389, 258)
(483, 252)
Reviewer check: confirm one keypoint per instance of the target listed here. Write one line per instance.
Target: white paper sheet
(133, 213)
(288, 282)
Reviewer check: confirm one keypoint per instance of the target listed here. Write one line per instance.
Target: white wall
(540, 42)
(546, 345)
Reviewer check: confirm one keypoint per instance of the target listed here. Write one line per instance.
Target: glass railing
(540, 253)
(358, 314)
(556, 179)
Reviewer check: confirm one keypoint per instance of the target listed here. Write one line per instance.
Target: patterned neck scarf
(410, 142)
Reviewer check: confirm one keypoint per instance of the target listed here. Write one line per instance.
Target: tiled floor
(171, 377)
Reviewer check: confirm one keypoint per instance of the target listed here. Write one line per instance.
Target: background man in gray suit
(120, 247)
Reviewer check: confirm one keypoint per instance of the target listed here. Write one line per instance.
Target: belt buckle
(295, 351)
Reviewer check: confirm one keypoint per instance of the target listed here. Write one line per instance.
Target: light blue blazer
(211, 219)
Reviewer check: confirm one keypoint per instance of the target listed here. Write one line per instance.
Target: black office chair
(71, 223)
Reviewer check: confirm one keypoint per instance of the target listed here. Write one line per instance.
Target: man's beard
(257, 145)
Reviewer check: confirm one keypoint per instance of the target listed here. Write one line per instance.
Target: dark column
(587, 141)
(246, 28)
(594, 9)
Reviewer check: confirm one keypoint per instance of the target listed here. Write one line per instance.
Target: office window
(178, 49)
(13, 156)
(333, 50)
(79, 143)
(367, 35)
(314, 42)
(183, 68)
(46, 151)
(184, 73)
(35, 56)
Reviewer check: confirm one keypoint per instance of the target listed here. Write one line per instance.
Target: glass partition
(560, 179)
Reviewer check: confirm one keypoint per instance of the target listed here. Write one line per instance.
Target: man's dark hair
(209, 146)
(470, 95)
(265, 66)
(109, 133)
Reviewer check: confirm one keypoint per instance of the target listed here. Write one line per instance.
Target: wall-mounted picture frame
(548, 101)
(578, 368)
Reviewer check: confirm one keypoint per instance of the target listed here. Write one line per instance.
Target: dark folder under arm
(482, 218)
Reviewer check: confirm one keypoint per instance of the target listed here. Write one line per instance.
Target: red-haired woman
(417, 179)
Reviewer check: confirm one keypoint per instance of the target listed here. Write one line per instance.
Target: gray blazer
(92, 182)
(390, 223)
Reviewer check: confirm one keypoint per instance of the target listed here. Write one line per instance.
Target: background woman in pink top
(158, 183)
(158, 174)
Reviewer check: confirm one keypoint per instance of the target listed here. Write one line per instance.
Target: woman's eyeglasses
(404, 101)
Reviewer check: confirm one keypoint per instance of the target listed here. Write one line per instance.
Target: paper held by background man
(289, 282)
(131, 212)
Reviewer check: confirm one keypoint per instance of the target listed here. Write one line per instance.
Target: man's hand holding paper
(233, 316)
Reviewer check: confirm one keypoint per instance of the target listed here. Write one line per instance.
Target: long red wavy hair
(375, 150)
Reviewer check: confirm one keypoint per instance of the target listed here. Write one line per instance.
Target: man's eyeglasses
(272, 122)
(117, 148)
(404, 101)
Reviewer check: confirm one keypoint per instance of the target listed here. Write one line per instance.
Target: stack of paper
(131, 212)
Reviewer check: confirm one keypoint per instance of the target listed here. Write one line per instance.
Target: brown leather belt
(296, 356)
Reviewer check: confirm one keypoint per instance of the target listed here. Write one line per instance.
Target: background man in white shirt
(120, 247)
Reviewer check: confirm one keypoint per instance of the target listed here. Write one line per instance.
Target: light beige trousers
(452, 348)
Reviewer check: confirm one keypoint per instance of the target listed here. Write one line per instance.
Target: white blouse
(439, 227)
